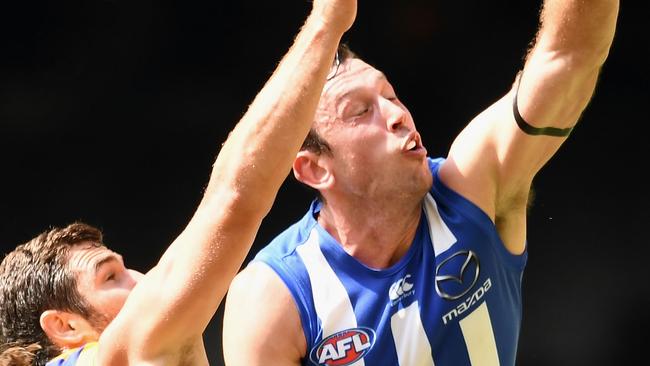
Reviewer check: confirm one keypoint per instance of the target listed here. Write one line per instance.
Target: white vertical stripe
(477, 331)
(331, 300)
(441, 237)
(411, 341)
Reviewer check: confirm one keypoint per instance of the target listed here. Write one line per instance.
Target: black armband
(531, 130)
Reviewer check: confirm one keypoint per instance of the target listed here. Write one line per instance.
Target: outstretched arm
(494, 160)
(262, 325)
(170, 307)
(562, 68)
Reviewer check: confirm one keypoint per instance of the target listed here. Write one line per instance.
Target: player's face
(103, 280)
(376, 149)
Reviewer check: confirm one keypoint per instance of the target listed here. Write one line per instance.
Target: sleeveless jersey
(82, 356)
(453, 299)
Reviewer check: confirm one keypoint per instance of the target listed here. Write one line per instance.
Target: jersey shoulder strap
(82, 356)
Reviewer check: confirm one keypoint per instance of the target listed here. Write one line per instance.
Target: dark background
(112, 112)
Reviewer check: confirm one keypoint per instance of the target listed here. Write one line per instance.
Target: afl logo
(456, 275)
(344, 347)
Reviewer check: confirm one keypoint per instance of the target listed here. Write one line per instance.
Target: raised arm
(494, 160)
(562, 68)
(261, 322)
(167, 312)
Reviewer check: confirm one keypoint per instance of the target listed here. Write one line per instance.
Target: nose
(135, 277)
(394, 114)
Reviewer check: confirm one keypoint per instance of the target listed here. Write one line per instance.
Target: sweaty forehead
(352, 74)
(86, 256)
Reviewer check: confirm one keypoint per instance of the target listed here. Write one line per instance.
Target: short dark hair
(35, 277)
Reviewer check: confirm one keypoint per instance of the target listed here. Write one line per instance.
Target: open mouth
(413, 142)
(412, 145)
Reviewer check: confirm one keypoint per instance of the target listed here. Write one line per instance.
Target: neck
(377, 233)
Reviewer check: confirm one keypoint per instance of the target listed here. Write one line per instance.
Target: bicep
(492, 162)
(552, 90)
(261, 322)
(555, 87)
(550, 93)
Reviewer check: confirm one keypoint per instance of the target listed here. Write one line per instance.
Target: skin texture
(361, 105)
(103, 280)
(137, 323)
(105, 283)
(373, 183)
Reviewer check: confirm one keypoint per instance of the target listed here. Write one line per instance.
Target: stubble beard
(98, 320)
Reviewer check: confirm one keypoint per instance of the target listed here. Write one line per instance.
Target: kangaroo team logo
(344, 347)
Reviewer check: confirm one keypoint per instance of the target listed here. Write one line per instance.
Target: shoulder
(281, 257)
(255, 282)
(259, 305)
(285, 243)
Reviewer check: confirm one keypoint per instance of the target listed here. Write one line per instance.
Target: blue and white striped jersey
(453, 299)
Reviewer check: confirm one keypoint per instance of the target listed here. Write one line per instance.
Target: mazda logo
(456, 275)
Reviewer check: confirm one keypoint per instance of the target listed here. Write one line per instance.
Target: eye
(110, 277)
(362, 111)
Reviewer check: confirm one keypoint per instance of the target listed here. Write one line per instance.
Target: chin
(423, 181)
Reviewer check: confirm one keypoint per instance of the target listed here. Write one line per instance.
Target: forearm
(256, 158)
(258, 153)
(252, 164)
(583, 28)
(563, 67)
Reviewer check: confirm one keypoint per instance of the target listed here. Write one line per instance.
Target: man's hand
(335, 14)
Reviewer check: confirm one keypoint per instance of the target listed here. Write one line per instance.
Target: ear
(67, 330)
(312, 170)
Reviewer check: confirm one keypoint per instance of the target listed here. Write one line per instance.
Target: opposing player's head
(59, 291)
(363, 142)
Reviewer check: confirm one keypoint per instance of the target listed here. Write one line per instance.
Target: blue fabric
(376, 296)
(70, 360)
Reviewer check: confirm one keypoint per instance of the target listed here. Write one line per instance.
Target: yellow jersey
(85, 355)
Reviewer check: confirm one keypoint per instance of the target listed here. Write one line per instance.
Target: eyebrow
(111, 257)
